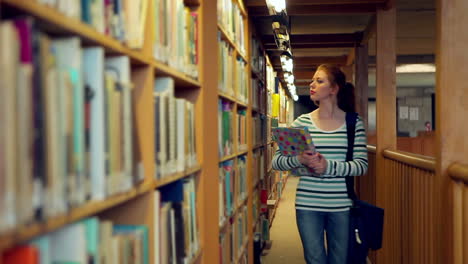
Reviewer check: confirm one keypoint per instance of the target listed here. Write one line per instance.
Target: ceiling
(326, 31)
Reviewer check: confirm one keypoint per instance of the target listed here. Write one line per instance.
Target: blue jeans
(312, 224)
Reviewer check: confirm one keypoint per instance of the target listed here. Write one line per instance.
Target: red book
(21, 254)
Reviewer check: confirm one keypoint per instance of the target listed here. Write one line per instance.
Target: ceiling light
(277, 5)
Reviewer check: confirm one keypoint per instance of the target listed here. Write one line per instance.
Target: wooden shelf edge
(242, 250)
(242, 9)
(181, 78)
(227, 97)
(77, 27)
(176, 176)
(231, 42)
(27, 232)
(227, 157)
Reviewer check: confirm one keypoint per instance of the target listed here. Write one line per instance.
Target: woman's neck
(327, 110)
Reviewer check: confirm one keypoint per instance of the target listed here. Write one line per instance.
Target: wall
(408, 98)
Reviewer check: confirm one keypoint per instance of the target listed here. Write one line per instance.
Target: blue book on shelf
(173, 192)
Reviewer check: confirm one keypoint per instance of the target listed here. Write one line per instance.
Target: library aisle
(286, 246)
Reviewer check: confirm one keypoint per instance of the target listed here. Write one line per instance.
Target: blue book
(93, 76)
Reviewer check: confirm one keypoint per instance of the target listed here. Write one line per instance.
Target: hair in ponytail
(345, 97)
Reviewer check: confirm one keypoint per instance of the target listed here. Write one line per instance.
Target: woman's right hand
(307, 158)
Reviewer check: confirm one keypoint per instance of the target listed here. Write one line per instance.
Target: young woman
(322, 202)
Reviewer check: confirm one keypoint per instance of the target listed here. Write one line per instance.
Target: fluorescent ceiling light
(415, 68)
(278, 5)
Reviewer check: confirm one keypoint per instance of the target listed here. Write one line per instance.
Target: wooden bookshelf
(26, 232)
(181, 79)
(225, 36)
(134, 206)
(177, 176)
(129, 206)
(56, 22)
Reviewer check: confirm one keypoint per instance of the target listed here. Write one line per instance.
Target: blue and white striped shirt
(328, 192)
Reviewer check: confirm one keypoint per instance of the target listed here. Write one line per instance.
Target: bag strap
(350, 131)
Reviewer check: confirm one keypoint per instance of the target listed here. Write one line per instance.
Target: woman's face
(320, 87)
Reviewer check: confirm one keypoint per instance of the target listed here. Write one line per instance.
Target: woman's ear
(335, 89)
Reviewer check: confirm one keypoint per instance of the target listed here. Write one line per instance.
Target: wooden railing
(409, 180)
(409, 215)
(459, 174)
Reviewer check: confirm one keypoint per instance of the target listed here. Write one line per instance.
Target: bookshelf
(136, 204)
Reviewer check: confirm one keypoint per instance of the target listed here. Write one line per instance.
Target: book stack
(225, 129)
(176, 35)
(91, 240)
(69, 137)
(124, 20)
(231, 20)
(176, 224)
(226, 72)
(174, 130)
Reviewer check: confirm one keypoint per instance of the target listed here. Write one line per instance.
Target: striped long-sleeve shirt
(327, 192)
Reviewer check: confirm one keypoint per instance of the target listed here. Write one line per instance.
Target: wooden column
(386, 129)
(451, 124)
(362, 81)
(348, 70)
(207, 145)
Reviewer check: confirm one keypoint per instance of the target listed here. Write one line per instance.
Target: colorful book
(293, 141)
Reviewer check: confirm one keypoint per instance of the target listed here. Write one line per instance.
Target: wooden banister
(372, 149)
(419, 161)
(458, 172)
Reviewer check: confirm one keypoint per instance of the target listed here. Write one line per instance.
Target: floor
(286, 247)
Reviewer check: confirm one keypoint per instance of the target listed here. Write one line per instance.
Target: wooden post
(386, 128)
(207, 144)
(362, 81)
(451, 125)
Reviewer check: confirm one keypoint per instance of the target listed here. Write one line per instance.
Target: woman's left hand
(320, 164)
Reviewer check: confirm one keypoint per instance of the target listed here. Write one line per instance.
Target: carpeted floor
(286, 247)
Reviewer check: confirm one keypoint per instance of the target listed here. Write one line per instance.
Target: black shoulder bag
(366, 220)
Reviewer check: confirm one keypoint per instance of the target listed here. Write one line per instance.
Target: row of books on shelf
(258, 165)
(176, 223)
(99, 240)
(259, 127)
(175, 142)
(232, 21)
(258, 97)
(257, 58)
(91, 240)
(232, 74)
(67, 128)
(123, 20)
(227, 120)
(232, 187)
(176, 35)
(175, 26)
(232, 242)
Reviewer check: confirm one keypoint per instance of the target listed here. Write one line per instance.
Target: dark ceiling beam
(306, 10)
(296, 46)
(250, 3)
(319, 38)
(309, 63)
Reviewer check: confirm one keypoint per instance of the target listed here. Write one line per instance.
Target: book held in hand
(293, 141)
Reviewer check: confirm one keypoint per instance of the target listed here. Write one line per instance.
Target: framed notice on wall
(414, 113)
